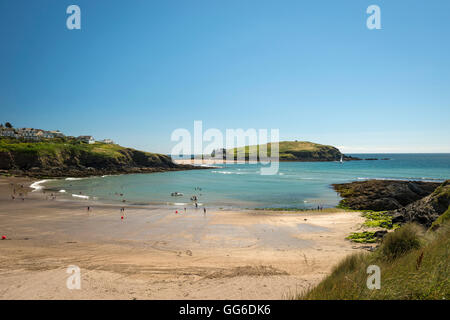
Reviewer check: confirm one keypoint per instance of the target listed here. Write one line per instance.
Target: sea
(297, 185)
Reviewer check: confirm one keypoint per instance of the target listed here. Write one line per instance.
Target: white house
(8, 132)
(28, 133)
(57, 134)
(87, 139)
(107, 141)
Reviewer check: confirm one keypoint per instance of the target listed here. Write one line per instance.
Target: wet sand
(155, 253)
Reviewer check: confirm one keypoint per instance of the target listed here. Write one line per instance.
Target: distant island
(39, 153)
(295, 151)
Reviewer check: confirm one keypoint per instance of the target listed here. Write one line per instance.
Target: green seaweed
(363, 237)
(378, 219)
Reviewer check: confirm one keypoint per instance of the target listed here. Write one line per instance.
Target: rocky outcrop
(292, 151)
(383, 195)
(425, 211)
(62, 159)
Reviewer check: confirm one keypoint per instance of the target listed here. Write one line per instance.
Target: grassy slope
(294, 150)
(413, 266)
(52, 147)
(61, 149)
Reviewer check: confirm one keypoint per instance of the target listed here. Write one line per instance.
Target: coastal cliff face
(426, 210)
(426, 203)
(381, 195)
(57, 159)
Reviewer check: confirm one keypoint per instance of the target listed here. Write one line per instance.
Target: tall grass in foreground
(414, 265)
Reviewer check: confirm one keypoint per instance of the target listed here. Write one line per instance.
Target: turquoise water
(297, 185)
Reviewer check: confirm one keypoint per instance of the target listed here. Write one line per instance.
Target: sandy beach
(156, 253)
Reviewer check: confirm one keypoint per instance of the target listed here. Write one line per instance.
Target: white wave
(62, 191)
(224, 172)
(232, 172)
(73, 179)
(80, 196)
(37, 185)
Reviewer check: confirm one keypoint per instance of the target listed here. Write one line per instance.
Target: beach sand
(155, 253)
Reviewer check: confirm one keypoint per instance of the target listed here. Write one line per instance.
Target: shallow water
(297, 184)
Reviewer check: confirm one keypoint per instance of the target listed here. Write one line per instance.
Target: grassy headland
(70, 157)
(293, 151)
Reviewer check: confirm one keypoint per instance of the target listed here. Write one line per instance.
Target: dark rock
(382, 195)
(380, 234)
(426, 210)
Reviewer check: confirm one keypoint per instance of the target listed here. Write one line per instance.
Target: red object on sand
(176, 211)
(3, 237)
(121, 217)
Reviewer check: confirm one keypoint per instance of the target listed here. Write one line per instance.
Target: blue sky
(137, 70)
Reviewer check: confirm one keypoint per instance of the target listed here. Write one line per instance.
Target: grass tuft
(405, 239)
(418, 267)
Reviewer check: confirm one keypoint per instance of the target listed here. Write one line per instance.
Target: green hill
(69, 157)
(295, 151)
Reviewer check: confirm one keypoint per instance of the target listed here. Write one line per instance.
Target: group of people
(51, 197)
(13, 195)
(196, 205)
(122, 211)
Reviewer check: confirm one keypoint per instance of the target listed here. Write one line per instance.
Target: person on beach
(184, 210)
(204, 211)
(88, 209)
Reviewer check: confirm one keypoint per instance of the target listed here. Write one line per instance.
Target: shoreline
(86, 173)
(154, 253)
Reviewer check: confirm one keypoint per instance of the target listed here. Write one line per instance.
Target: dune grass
(413, 264)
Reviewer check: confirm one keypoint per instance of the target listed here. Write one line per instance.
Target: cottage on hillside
(87, 139)
(107, 141)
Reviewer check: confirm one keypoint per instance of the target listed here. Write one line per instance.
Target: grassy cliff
(413, 265)
(62, 157)
(295, 151)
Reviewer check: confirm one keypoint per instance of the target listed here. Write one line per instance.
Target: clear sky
(137, 70)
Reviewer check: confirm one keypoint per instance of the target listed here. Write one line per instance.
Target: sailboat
(342, 159)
